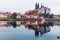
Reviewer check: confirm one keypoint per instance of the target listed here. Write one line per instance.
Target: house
(41, 16)
(31, 14)
(9, 15)
(5, 15)
(27, 16)
(2, 15)
(18, 15)
(35, 12)
(23, 16)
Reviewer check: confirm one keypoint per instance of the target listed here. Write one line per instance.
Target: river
(18, 31)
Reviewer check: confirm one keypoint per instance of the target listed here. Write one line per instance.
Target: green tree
(51, 16)
(47, 15)
(14, 15)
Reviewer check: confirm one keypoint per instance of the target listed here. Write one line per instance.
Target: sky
(21, 6)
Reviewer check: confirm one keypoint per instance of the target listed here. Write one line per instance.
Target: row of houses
(8, 15)
(19, 15)
(35, 13)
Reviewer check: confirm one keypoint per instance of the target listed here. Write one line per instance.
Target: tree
(14, 15)
(14, 24)
(47, 15)
(51, 15)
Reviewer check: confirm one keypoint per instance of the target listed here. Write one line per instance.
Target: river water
(18, 31)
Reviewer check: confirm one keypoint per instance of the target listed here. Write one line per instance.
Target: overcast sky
(24, 5)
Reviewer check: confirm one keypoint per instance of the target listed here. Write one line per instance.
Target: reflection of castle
(42, 29)
(34, 22)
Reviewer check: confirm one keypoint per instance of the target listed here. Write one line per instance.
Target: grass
(10, 19)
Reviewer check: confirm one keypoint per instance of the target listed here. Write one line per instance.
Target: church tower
(36, 5)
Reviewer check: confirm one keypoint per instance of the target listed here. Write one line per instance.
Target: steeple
(36, 5)
(42, 6)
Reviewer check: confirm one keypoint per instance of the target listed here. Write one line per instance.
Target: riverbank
(20, 19)
(10, 19)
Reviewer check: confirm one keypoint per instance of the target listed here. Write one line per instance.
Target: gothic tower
(36, 5)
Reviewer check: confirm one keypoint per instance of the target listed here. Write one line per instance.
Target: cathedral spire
(36, 5)
(42, 5)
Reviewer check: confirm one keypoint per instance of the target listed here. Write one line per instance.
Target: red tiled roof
(9, 15)
(39, 8)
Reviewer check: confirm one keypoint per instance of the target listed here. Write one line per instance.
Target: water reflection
(14, 24)
(39, 28)
(42, 29)
(10, 23)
